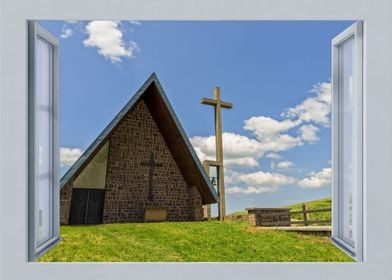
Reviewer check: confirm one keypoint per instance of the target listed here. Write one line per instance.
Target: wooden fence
(305, 212)
(288, 220)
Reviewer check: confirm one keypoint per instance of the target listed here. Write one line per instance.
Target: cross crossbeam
(214, 102)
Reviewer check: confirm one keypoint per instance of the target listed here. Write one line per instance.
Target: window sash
(43, 141)
(341, 176)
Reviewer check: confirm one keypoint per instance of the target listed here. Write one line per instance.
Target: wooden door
(95, 206)
(86, 206)
(78, 206)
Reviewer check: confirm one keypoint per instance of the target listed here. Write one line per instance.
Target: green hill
(313, 204)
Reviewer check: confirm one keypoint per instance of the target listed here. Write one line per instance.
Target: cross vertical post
(218, 105)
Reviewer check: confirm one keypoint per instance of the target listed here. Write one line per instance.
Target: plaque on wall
(155, 215)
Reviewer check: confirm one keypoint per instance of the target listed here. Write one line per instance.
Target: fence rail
(285, 218)
(305, 212)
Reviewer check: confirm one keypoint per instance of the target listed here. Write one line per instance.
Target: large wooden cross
(218, 105)
(152, 164)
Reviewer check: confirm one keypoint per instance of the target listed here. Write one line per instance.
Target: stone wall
(127, 183)
(269, 217)
(127, 180)
(65, 203)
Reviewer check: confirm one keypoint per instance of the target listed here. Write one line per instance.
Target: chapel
(141, 168)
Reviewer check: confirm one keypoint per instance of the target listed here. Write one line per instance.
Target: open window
(86, 204)
(43, 141)
(347, 140)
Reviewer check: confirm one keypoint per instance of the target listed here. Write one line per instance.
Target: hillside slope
(313, 204)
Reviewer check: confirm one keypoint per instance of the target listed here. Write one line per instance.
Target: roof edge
(87, 154)
(185, 137)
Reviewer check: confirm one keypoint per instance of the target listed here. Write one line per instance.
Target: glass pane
(44, 219)
(43, 67)
(348, 141)
(43, 141)
(43, 137)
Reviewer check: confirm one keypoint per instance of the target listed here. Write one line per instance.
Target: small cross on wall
(152, 164)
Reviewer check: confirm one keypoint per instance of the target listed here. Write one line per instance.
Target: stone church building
(142, 167)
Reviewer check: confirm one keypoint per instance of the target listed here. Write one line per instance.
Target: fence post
(306, 215)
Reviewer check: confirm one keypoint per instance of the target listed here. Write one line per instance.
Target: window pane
(43, 137)
(43, 142)
(43, 83)
(44, 219)
(348, 142)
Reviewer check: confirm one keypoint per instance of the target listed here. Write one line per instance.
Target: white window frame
(37, 248)
(377, 261)
(355, 248)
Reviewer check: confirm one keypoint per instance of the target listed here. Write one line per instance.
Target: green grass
(209, 241)
(241, 212)
(314, 204)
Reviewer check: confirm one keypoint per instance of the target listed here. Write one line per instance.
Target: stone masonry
(269, 217)
(126, 194)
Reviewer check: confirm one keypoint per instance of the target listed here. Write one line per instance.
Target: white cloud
(69, 155)
(270, 133)
(232, 177)
(314, 109)
(266, 128)
(280, 143)
(240, 150)
(282, 164)
(245, 162)
(70, 27)
(258, 182)
(251, 190)
(235, 147)
(66, 33)
(317, 179)
(261, 178)
(308, 133)
(107, 37)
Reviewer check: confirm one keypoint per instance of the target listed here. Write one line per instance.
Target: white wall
(377, 121)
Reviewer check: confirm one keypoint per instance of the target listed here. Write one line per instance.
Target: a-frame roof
(174, 135)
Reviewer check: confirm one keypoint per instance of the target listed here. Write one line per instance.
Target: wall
(127, 182)
(126, 195)
(65, 203)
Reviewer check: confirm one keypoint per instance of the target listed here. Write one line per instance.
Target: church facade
(141, 168)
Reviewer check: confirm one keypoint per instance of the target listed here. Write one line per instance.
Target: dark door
(78, 206)
(95, 207)
(86, 206)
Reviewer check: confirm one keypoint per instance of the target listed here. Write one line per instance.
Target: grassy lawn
(210, 241)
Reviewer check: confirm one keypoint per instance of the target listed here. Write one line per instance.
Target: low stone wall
(269, 217)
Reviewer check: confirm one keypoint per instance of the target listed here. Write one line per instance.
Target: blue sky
(277, 138)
